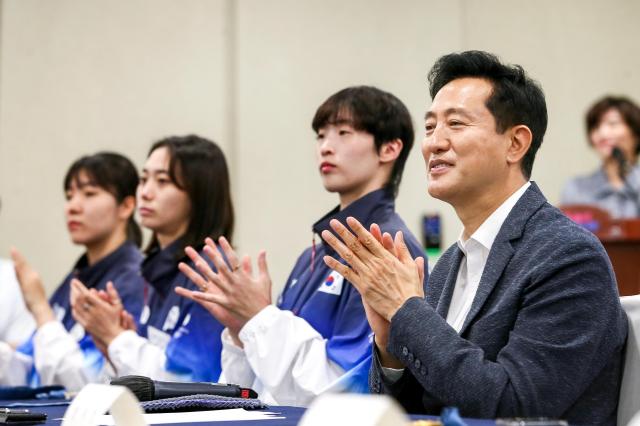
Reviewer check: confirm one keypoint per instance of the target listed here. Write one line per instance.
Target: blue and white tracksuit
(60, 352)
(317, 339)
(178, 339)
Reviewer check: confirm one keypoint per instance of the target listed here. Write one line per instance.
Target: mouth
(438, 166)
(145, 211)
(73, 224)
(327, 167)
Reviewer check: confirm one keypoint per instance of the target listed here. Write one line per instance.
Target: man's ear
(390, 151)
(126, 207)
(520, 138)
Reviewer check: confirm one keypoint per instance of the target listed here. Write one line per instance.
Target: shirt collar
(161, 265)
(487, 232)
(366, 209)
(91, 275)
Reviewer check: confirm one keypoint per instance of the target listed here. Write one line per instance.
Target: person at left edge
(16, 322)
(183, 198)
(100, 191)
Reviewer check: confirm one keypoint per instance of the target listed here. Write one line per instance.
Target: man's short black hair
(516, 99)
(376, 112)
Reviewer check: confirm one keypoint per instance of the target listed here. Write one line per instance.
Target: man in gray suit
(521, 316)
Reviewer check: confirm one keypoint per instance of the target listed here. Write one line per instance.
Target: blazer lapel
(499, 257)
(502, 250)
(439, 297)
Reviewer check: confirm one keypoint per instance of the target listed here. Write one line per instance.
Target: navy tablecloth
(292, 415)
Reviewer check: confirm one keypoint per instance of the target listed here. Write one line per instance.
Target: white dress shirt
(292, 371)
(476, 251)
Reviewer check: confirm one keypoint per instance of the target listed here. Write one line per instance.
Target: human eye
(320, 136)
(615, 122)
(90, 191)
(68, 195)
(345, 130)
(454, 122)
(163, 179)
(143, 179)
(429, 127)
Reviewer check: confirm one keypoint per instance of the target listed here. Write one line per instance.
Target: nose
(436, 142)
(326, 145)
(73, 204)
(145, 190)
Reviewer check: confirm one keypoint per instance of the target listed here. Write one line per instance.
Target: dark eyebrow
(463, 112)
(87, 184)
(156, 172)
(82, 184)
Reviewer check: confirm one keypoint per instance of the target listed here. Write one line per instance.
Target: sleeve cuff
(48, 332)
(388, 375)
(229, 345)
(122, 342)
(259, 323)
(403, 333)
(391, 375)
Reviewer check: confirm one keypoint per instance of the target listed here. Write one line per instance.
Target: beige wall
(81, 76)
(78, 76)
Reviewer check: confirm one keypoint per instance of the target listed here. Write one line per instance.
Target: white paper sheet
(237, 414)
(95, 399)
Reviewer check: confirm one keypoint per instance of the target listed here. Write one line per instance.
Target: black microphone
(618, 155)
(146, 389)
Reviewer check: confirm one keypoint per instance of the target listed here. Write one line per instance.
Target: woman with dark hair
(100, 192)
(183, 197)
(613, 129)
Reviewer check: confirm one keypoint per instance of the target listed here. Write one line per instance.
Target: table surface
(292, 415)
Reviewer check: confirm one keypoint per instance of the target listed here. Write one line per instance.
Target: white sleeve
(16, 322)
(235, 366)
(14, 366)
(133, 354)
(288, 356)
(58, 357)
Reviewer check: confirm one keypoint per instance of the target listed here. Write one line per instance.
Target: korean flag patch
(333, 284)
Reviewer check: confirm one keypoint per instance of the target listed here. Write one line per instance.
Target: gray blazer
(544, 336)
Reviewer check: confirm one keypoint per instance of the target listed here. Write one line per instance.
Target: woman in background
(183, 197)
(613, 129)
(100, 192)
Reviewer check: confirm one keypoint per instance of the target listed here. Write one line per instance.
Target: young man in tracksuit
(317, 337)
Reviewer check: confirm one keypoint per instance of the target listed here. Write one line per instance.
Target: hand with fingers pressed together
(100, 313)
(380, 267)
(233, 294)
